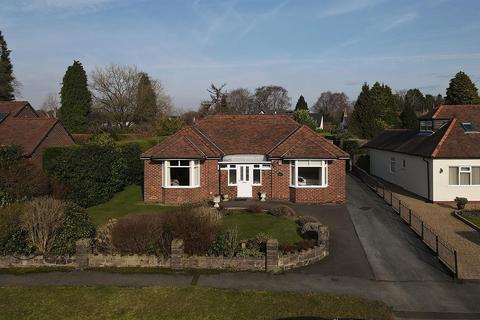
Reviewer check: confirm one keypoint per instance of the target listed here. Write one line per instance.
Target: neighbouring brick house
(20, 124)
(241, 156)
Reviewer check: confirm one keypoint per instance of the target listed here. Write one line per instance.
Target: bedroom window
(308, 173)
(463, 176)
(182, 173)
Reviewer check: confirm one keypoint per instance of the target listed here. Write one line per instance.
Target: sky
(306, 46)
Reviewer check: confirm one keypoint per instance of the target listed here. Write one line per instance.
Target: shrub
(93, 173)
(43, 219)
(153, 234)
(250, 252)
(103, 240)
(142, 234)
(461, 202)
(13, 240)
(304, 219)
(255, 208)
(351, 146)
(168, 126)
(283, 211)
(19, 178)
(225, 244)
(76, 225)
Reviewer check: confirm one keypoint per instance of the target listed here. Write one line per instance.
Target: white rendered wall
(442, 191)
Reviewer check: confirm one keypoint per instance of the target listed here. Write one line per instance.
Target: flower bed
(470, 217)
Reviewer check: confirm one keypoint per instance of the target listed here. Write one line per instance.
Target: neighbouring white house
(439, 162)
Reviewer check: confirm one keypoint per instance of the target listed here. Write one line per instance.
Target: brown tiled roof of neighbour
(27, 133)
(13, 107)
(450, 141)
(271, 135)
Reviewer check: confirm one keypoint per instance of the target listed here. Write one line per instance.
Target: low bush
(13, 240)
(302, 220)
(153, 234)
(255, 208)
(76, 225)
(103, 240)
(298, 246)
(283, 211)
(225, 244)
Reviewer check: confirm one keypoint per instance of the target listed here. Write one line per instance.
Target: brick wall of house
(154, 192)
(335, 192)
(280, 177)
(58, 136)
(232, 190)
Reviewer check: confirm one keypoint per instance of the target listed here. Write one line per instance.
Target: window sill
(180, 187)
(309, 187)
(464, 185)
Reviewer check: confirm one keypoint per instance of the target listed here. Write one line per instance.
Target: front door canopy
(244, 158)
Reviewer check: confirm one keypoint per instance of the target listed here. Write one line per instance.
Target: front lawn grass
(185, 303)
(128, 201)
(474, 220)
(250, 224)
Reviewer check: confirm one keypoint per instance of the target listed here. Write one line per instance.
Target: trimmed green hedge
(91, 174)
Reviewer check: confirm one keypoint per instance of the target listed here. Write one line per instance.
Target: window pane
(179, 176)
(393, 165)
(232, 176)
(292, 174)
(196, 176)
(174, 162)
(464, 178)
(256, 166)
(185, 163)
(309, 176)
(453, 176)
(247, 173)
(256, 176)
(222, 166)
(476, 175)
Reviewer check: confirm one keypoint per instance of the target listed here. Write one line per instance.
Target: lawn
(474, 220)
(186, 303)
(250, 224)
(128, 201)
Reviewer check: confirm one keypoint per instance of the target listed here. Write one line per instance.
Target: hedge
(91, 174)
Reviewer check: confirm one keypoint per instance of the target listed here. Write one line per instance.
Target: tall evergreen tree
(6, 72)
(375, 110)
(76, 99)
(409, 118)
(147, 110)
(462, 90)
(301, 104)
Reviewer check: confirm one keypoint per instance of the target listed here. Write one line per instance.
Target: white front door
(244, 184)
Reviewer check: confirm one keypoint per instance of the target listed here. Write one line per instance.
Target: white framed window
(393, 165)
(257, 175)
(309, 173)
(464, 176)
(426, 125)
(181, 174)
(232, 175)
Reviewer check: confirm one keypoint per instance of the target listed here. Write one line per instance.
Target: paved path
(388, 264)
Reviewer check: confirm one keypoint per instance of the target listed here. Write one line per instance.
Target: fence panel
(387, 196)
(404, 213)
(380, 190)
(448, 256)
(396, 204)
(430, 238)
(416, 224)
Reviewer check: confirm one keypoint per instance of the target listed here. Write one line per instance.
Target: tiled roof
(450, 141)
(271, 135)
(12, 107)
(27, 133)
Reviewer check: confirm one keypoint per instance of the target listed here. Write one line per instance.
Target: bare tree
(51, 105)
(217, 102)
(272, 99)
(240, 101)
(332, 105)
(116, 99)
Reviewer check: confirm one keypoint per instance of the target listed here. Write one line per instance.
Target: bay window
(308, 173)
(463, 176)
(181, 173)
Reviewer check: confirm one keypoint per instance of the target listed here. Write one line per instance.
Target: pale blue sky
(307, 46)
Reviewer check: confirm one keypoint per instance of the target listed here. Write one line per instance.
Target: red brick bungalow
(20, 124)
(243, 155)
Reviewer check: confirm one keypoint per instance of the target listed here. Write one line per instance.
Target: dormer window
(426, 125)
(469, 127)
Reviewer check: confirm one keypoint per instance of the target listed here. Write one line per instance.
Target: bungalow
(242, 156)
(20, 124)
(439, 162)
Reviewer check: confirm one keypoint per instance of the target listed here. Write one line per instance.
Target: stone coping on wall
(272, 261)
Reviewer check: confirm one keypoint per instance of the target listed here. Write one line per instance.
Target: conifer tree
(76, 99)
(301, 104)
(7, 79)
(147, 110)
(409, 118)
(462, 90)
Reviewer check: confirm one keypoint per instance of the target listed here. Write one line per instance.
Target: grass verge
(185, 303)
(128, 201)
(250, 224)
